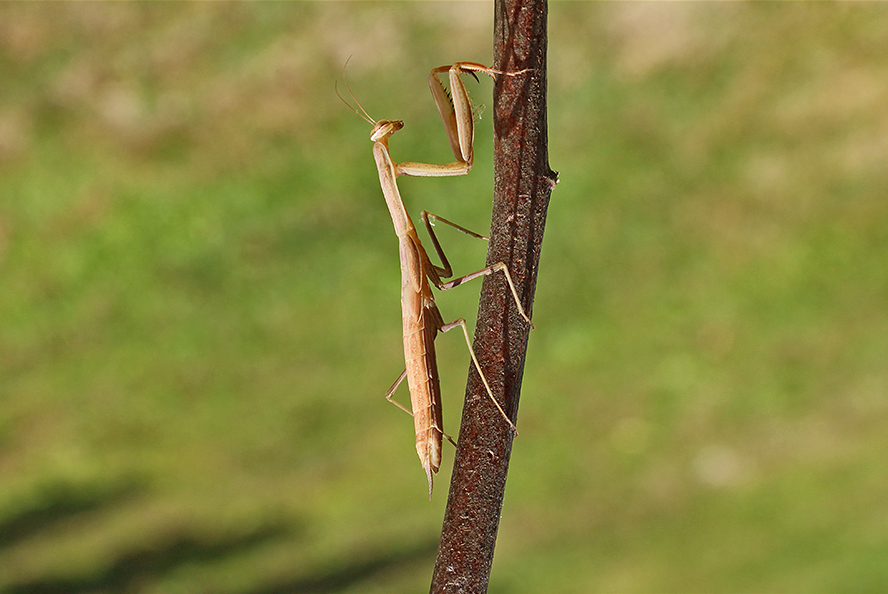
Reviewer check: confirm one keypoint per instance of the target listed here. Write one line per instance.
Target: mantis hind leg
(391, 392)
(462, 324)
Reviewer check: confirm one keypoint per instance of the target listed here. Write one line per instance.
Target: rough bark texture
(523, 184)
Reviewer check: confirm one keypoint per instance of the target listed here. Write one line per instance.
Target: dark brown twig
(522, 186)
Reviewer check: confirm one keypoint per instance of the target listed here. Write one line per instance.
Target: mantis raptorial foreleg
(420, 316)
(456, 114)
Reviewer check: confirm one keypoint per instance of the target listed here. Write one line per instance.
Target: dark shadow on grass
(55, 503)
(146, 564)
(358, 570)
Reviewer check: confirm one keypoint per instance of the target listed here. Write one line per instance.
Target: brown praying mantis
(421, 318)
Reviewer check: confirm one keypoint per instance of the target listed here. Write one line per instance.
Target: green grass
(200, 311)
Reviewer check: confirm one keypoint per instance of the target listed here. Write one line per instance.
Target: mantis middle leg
(446, 271)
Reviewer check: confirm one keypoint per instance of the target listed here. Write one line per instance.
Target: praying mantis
(420, 316)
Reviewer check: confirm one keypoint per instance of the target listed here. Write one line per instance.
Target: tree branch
(522, 186)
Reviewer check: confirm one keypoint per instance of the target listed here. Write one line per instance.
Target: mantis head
(385, 128)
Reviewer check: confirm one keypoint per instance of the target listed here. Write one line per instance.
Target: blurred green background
(200, 308)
